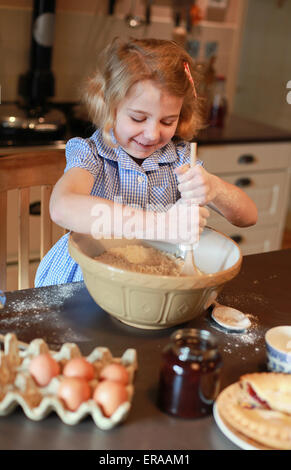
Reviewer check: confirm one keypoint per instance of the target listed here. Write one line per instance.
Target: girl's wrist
(216, 188)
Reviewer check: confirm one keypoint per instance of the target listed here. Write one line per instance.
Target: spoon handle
(193, 153)
(189, 267)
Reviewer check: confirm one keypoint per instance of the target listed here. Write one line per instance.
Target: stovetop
(60, 122)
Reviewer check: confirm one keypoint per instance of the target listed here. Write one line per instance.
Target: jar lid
(191, 343)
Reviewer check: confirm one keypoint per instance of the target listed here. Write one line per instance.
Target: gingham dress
(116, 175)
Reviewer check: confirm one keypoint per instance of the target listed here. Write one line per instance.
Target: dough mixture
(143, 260)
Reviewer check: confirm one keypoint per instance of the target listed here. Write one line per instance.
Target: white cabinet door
(221, 159)
(268, 190)
(261, 170)
(250, 240)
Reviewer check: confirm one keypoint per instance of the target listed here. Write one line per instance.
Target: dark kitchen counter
(238, 130)
(67, 313)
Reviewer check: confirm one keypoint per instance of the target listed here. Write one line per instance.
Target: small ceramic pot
(278, 345)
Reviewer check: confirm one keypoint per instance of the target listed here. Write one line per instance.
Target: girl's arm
(236, 206)
(71, 204)
(72, 207)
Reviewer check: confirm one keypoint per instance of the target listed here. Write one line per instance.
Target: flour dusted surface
(40, 312)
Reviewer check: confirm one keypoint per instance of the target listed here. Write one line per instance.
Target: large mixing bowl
(152, 301)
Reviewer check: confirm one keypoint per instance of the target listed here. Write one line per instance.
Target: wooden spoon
(189, 268)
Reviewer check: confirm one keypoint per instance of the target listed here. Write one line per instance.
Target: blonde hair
(124, 63)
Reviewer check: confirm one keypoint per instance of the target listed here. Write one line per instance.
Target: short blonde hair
(124, 63)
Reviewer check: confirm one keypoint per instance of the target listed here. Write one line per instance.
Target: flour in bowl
(142, 259)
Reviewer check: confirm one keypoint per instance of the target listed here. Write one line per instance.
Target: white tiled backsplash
(79, 37)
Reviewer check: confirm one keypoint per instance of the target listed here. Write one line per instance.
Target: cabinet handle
(243, 182)
(34, 208)
(246, 159)
(237, 238)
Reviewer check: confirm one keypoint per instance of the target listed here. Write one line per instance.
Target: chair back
(22, 171)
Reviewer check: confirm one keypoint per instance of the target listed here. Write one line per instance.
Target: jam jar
(190, 374)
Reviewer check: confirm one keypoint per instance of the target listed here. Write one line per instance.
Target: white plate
(229, 434)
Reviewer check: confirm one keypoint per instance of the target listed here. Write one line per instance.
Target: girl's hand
(203, 188)
(183, 222)
(197, 184)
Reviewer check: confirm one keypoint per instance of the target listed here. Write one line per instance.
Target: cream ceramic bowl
(151, 301)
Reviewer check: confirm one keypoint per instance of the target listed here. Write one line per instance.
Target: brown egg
(79, 367)
(43, 368)
(74, 391)
(116, 373)
(109, 396)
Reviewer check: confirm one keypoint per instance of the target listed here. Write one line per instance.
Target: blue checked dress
(116, 175)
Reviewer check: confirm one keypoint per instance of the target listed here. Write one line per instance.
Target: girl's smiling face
(146, 119)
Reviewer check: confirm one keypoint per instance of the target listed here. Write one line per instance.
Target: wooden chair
(22, 171)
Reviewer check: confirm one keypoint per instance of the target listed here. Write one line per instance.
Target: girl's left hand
(197, 184)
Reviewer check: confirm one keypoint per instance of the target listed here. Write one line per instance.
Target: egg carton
(18, 388)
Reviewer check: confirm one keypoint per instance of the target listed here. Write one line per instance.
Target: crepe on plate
(258, 407)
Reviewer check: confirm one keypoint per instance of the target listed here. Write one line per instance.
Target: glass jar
(218, 108)
(190, 374)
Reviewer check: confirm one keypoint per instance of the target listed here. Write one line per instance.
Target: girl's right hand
(183, 223)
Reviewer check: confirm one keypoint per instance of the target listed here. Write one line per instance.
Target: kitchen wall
(82, 30)
(265, 66)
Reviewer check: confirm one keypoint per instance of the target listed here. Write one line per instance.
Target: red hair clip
(188, 73)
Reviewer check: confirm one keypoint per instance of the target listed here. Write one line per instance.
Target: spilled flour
(236, 342)
(249, 300)
(41, 311)
(44, 300)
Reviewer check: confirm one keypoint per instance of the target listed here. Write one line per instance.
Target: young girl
(144, 103)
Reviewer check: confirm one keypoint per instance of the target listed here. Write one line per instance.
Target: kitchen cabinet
(262, 170)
